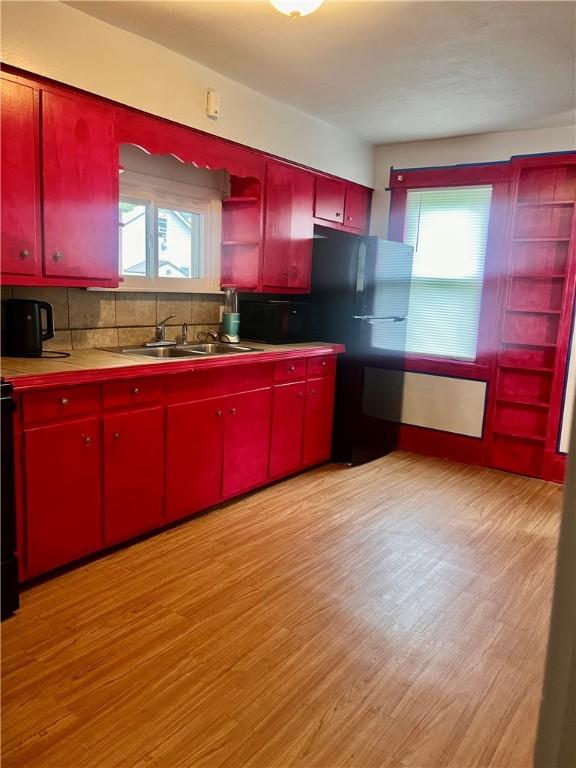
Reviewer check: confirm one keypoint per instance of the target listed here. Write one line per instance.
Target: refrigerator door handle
(377, 319)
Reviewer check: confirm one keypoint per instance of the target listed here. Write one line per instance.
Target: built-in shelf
(544, 344)
(538, 276)
(545, 202)
(520, 436)
(529, 368)
(534, 311)
(240, 242)
(541, 239)
(519, 400)
(239, 200)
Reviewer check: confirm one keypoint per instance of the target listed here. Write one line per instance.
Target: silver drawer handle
(233, 411)
(58, 256)
(218, 412)
(87, 439)
(64, 401)
(24, 254)
(135, 391)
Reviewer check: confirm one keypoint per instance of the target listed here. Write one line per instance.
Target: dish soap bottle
(231, 317)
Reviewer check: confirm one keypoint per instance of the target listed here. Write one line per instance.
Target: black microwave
(275, 321)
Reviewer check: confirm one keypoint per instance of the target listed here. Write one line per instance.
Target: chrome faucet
(208, 335)
(184, 334)
(160, 335)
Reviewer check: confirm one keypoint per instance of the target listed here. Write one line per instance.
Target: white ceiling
(385, 70)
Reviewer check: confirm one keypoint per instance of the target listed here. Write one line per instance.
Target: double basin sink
(189, 350)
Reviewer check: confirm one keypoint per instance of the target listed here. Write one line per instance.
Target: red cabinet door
(287, 428)
(329, 202)
(80, 178)
(194, 435)
(63, 515)
(318, 420)
(133, 473)
(19, 133)
(288, 228)
(357, 208)
(246, 440)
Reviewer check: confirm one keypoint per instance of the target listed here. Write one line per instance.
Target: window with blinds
(448, 229)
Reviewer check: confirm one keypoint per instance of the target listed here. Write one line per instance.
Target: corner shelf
(529, 368)
(239, 200)
(538, 276)
(545, 203)
(541, 239)
(228, 243)
(519, 400)
(543, 345)
(520, 436)
(534, 311)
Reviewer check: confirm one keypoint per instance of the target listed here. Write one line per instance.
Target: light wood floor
(388, 615)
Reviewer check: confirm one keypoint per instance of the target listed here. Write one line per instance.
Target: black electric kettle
(22, 329)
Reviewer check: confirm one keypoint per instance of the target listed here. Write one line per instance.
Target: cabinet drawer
(291, 370)
(322, 366)
(62, 403)
(132, 393)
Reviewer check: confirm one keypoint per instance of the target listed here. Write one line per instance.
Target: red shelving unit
(242, 234)
(523, 418)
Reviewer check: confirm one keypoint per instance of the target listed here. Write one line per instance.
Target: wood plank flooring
(388, 615)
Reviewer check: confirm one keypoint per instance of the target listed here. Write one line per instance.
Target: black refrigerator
(360, 295)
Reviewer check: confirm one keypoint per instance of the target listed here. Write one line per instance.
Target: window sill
(461, 369)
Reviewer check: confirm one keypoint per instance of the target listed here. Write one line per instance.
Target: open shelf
(239, 200)
(520, 436)
(534, 311)
(541, 239)
(529, 368)
(544, 344)
(545, 202)
(538, 276)
(519, 400)
(228, 243)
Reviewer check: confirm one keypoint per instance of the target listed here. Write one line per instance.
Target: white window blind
(448, 229)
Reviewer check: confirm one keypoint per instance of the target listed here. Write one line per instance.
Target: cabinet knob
(58, 256)
(349, 218)
(64, 401)
(300, 395)
(323, 363)
(291, 367)
(24, 254)
(116, 435)
(233, 411)
(135, 391)
(219, 412)
(338, 214)
(312, 391)
(87, 439)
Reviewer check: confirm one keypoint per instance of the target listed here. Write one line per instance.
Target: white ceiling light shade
(296, 8)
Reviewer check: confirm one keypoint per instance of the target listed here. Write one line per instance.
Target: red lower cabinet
(246, 440)
(318, 420)
(63, 493)
(133, 473)
(194, 435)
(287, 428)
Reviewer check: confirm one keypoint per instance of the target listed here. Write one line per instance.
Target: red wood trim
(451, 176)
(397, 214)
(443, 445)
(27, 382)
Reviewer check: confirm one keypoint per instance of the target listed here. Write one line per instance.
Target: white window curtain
(448, 229)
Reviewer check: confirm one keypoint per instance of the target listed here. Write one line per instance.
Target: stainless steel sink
(190, 350)
(161, 352)
(218, 349)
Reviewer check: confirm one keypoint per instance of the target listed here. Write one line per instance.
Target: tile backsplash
(109, 319)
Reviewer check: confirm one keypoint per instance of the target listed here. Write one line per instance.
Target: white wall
(54, 40)
(441, 401)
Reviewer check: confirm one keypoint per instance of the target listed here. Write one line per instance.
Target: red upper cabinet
(20, 180)
(288, 228)
(329, 201)
(80, 188)
(357, 207)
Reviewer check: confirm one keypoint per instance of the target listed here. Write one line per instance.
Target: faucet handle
(163, 322)
(184, 334)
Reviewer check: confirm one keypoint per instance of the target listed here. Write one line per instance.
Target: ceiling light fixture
(296, 8)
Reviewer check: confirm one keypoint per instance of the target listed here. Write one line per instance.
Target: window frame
(498, 175)
(155, 193)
